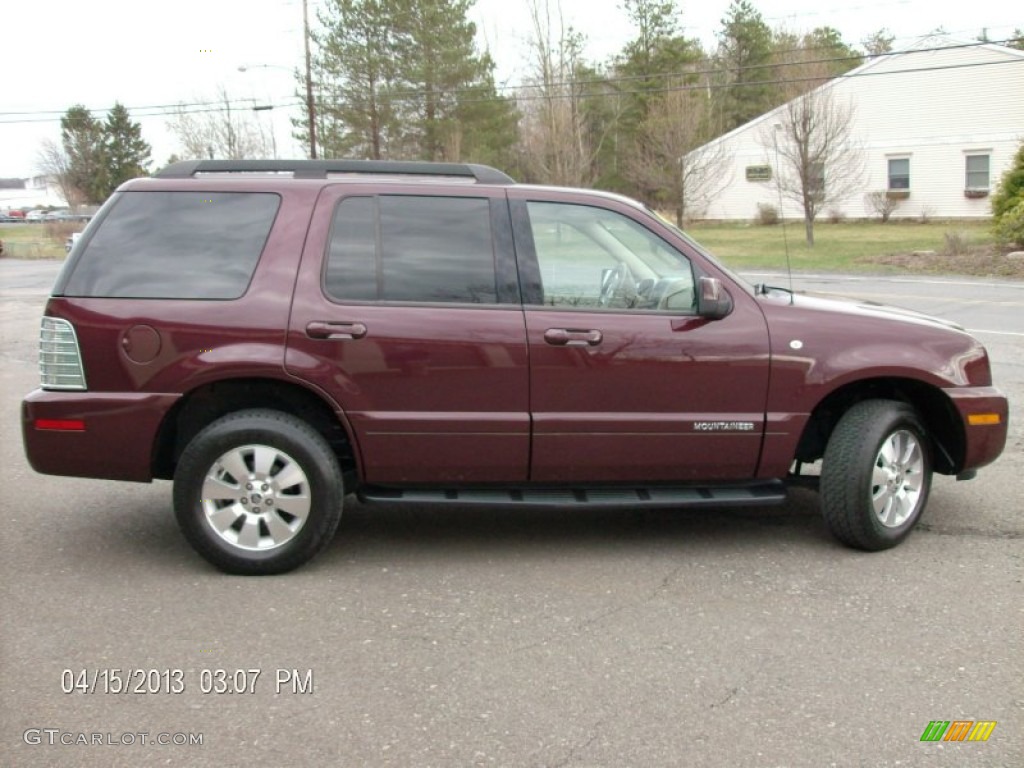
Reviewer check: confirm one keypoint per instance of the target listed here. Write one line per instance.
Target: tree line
(94, 156)
(406, 80)
(403, 79)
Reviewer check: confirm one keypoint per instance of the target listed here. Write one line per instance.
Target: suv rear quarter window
(175, 245)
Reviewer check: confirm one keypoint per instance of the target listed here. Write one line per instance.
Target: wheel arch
(212, 400)
(945, 431)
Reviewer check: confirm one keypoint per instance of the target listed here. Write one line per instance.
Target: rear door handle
(322, 329)
(572, 337)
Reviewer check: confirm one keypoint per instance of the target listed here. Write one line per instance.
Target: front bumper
(115, 442)
(985, 438)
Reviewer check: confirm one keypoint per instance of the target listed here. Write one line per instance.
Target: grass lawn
(860, 247)
(37, 241)
(845, 247)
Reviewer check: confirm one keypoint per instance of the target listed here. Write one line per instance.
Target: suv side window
(595, 258)
(175, 245)
(412, 249)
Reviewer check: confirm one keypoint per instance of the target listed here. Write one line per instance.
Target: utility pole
(310, 110)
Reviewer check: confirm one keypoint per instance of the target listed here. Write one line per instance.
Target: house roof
(925, 44)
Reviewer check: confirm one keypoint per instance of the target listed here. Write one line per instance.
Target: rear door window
(408, 248)
(175, 245)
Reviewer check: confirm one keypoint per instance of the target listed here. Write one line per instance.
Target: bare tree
(878, 42)
(705, 174)
(819, 162)
(672, 156)
(882, 202)
(225, 132)
(52, 161)
(557, 144)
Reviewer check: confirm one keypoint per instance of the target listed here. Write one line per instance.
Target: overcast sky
(56, 53)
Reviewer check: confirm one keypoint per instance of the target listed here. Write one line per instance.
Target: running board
(560, 498)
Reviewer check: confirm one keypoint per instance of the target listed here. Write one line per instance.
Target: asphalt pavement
(461, 637)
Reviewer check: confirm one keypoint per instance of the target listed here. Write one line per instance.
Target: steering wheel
(612, 284)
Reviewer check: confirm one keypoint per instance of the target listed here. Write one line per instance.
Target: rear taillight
(61, 425)
(60, 363)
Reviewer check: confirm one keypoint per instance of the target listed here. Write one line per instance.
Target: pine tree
(1011, 186)
(745, 53)
(825, 45)
(446, 79)
(1008, 203)
(126, 155)
(82, 139)
(485, 128)
(402, 79)
(805, 62)
(651, 70)
(658, 52)
(354, 66)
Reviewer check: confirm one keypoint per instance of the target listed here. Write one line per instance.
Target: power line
(706, 86)
(722, 86)
(200, 107)
(173, 110)
(747, 84)
(176, 107)
(612, 80)
(131, 109)
(747, 68)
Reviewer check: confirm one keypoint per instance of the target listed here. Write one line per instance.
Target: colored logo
(958, 730)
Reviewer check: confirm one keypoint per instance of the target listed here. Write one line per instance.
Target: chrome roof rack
(322, 169)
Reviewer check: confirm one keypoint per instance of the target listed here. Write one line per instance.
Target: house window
(816, 179)
(899, 173)
(977, 172)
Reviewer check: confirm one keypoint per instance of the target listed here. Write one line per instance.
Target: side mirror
(713, 301)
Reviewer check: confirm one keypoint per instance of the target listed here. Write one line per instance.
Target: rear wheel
(258, 492)
(876, 475)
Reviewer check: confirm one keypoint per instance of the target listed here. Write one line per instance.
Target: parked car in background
(35, 216)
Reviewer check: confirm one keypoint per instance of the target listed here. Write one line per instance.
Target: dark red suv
(273, 335)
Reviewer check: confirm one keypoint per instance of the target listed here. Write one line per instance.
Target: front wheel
(876, 475)
(258, 492)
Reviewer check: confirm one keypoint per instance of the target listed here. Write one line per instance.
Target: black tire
(857, 471)
(290, 509)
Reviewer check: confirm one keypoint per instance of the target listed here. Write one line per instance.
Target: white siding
(905, 107)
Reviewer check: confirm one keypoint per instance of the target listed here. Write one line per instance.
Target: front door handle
(572, 337)
(322, 329)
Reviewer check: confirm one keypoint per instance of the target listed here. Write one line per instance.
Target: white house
(37, 192)
(937, 125)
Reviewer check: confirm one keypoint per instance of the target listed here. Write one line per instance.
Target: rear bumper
(985, 439)
(116, 442)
